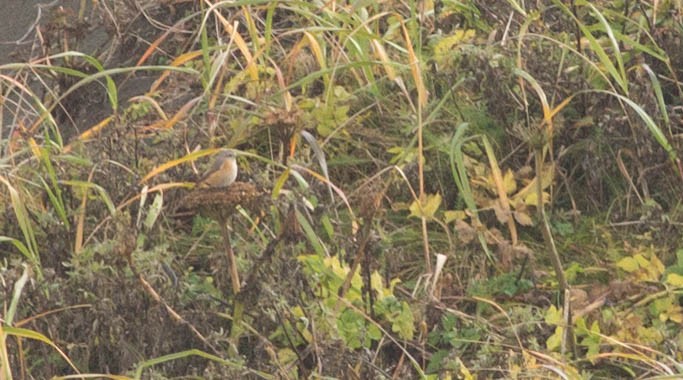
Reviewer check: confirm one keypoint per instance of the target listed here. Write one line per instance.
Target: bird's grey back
(220, 157)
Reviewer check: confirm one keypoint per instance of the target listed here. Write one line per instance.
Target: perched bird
(223, 172)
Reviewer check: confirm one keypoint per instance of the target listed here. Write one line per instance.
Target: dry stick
(360, 252)
(552, 249)
(399, 366)
(420, 169)
(583, 99)
(174, 315)
(238, 306)
(252, 285)
(292, 346)
(234, 275)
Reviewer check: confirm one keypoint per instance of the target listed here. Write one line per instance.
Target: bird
(223, 172)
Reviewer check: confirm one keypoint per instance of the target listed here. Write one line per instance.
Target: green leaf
(404, 324)
(435, 361)
(350, 326)
(592, 339)
(553, 343)
(327, 225)
(374, 332)
(553, 316)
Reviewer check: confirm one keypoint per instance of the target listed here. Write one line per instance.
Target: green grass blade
(100, 190)
(618, 76)
(16, 295)
(18, 245)
(193, 352)
(657, 88)
(30, 334)
(621, 78)
(649, 123)
(310, 233)
(459, 172)
(25, 226)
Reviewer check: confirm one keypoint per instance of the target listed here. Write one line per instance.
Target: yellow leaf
(642, 261)
(297, 312)
(676, 315)
(377, 282)
(532, 200)
(509, 183)
(464, 371)
(399, 206)
(452, 215)
(427, 208)
(674, 279)
(628, 264)
(656, 267)
(445, 45)
(415, 209)
(546, 180)
(432, 204)
(443, 49)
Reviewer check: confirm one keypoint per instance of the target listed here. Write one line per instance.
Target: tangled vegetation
(427, 189)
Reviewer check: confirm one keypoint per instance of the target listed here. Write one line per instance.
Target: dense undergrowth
(438, 189)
